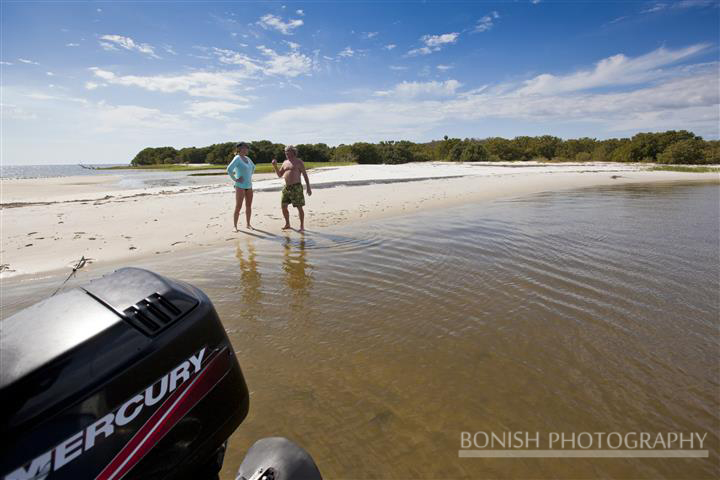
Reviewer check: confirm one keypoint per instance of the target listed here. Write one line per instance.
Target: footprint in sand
(132, 248)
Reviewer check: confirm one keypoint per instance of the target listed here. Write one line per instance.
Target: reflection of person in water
(296, 268)
(250, 277)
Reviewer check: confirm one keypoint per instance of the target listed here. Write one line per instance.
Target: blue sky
(95, 82)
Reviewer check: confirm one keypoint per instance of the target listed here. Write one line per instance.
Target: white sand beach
(48, 224)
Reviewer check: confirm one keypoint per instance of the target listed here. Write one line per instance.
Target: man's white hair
(291, 148)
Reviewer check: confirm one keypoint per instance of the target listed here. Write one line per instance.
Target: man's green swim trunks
(293, 194)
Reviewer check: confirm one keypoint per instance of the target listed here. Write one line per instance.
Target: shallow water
(375, 345)
(125, 179)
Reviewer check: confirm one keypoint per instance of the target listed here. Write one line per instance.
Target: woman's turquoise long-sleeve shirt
(239, 168)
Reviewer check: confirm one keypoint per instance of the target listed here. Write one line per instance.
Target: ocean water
(124, 179)
(375, 345)
(49, 171)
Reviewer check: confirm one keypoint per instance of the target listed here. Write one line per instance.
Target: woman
(240, 170)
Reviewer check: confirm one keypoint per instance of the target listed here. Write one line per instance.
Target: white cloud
(615, 70)
(389, 46)
(230, 57)
(214, 109)
(113, 41)
(293, 45)
(54, 97)
(91, 85)
(655, 8)
(276, 23)
(169, 49)
(196, 84)
(50, 74)
(443, 67)
(29, 62)
(409, 90)
(694, 3)
(6, 63)
(300, 13)
(535, 2)
(419, 51)
(290, 65)
(14, 112)
(369, 35)
(72, 44)
(398, 67)
(109, 118)
(486, 22)
(434, 43)
(346, 52)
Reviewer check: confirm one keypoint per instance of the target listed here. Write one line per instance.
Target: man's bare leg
(301, 214)
(286, 214)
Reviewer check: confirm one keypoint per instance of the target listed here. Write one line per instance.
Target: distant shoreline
(56, 221)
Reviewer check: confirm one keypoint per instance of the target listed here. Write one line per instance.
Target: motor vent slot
(155, 313)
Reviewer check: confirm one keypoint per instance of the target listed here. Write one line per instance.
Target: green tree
(474, 152)
(154, 156)
(394, 153)
(689, 151)
(263, 151)
(547, 146)
(366, 152)
(711, 152)
(502, 149)
(221, 153)
(318, 152)
(343, 153)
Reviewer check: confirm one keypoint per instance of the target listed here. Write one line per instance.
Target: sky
(96, 82)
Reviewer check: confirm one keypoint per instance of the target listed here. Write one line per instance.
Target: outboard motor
(130, 376)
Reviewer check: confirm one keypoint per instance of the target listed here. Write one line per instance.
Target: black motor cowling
(131, 376)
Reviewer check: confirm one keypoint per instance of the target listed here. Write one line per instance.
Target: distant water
(48, 171)
(375, 345)
(125, 178)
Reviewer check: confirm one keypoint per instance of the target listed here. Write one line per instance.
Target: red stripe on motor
(181, 401)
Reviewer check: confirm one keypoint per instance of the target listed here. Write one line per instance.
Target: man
(291, 170)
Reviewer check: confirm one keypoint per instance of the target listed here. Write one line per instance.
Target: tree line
(670, 147)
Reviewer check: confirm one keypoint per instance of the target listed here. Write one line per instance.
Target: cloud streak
(113, 42)
(196, 84)
(434, 43)
(486, 22)
(271, 22)
(409, 90)
(611, 71)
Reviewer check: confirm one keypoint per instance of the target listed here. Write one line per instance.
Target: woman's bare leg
(239, 196)
(248, 207)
